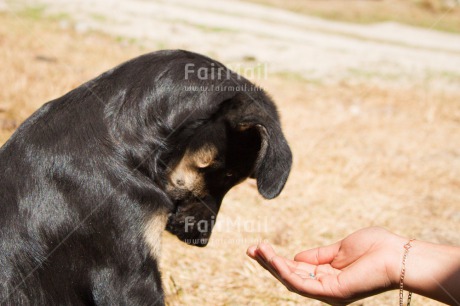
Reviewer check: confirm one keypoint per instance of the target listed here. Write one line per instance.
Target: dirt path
(236, 32)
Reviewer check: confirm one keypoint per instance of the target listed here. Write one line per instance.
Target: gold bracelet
(407, 246)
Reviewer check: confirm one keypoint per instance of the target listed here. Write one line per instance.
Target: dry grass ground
(437, 14)
(364, 155)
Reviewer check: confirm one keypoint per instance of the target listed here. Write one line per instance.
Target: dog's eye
(229, 173)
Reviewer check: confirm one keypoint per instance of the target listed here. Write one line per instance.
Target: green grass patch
(34, 12)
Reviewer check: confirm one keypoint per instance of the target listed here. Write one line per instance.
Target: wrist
(432, 270)
(396, 253)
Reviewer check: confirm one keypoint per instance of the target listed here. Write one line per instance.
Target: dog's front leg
(128, 287)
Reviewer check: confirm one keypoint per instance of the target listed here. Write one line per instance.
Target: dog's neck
(153, 230)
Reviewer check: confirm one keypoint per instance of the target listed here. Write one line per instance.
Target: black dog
(89, 182)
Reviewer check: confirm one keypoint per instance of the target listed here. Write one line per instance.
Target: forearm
(433, 270)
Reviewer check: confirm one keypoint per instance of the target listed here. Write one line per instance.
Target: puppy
(89, 182)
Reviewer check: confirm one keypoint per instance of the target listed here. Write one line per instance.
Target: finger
(264, 254)
(319, 256)
(251, 252)
(294, 282)
(265, 251)
(302, 269)
(255, 253)
(327, 269)
(267, 266)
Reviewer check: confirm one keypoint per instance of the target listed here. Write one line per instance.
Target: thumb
(319, 256)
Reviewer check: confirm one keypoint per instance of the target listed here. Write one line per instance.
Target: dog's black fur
(81, 178)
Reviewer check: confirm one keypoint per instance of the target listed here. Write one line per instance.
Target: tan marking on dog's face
(204, 157)
(153, 230)
(186, 176)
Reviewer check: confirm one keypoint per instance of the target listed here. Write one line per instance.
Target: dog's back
(68, 233)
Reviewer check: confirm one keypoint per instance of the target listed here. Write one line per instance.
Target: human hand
(365, 263)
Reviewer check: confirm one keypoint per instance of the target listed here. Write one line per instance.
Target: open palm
(358, 266)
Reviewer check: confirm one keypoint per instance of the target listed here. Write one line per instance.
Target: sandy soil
(372, 114)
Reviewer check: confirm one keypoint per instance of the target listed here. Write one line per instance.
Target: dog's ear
(274, 158)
